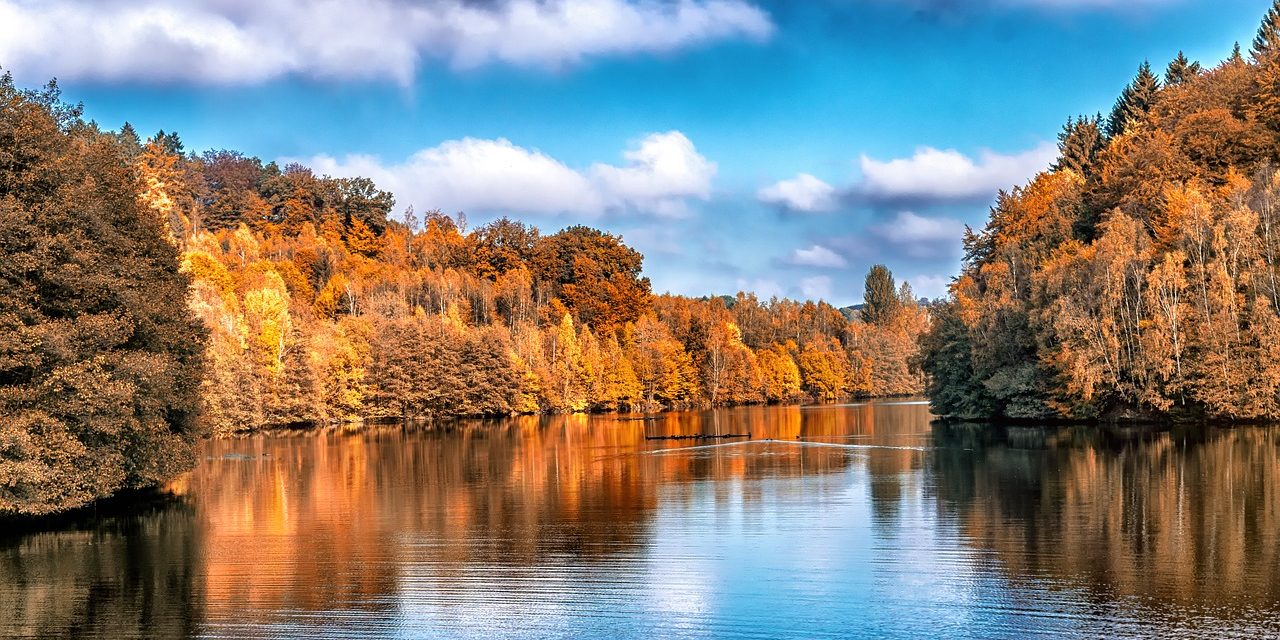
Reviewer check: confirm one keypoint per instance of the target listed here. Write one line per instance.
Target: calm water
(851, 520)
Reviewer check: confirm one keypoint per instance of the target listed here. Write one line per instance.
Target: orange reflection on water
(336, 508)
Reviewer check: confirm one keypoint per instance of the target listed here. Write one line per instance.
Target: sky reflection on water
(839, 522)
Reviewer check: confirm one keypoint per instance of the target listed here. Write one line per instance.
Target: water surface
(831, 521)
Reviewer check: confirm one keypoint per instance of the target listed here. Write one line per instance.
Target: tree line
(150, 296)
(1140, 275)
(321, 307)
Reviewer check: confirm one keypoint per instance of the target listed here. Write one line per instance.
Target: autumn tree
(824, 370)
(100, 362)
(594, 274)
(781, 375)
(1160, 298)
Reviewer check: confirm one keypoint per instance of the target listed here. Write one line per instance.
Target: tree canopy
(1145, 286)
(100, 361)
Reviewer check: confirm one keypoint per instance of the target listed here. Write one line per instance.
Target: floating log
(700, 436)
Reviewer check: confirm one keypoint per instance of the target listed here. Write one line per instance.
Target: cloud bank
(254, 41)
(927, 177)
(659, 175)
(947, 175)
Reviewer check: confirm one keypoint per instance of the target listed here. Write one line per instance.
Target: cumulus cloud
(658, 177)
(930, 176)
(252, 41)
(920, 237)
(947, 175)
(817, 256)
(660, 174)
(804, 193)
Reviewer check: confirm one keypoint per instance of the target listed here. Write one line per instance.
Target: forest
(150, 295)
(321, 307)
(1138, 278)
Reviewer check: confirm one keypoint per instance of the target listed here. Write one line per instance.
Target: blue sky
(780, 147)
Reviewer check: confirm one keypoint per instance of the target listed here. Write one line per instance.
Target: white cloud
(816, 288)
(932, 174)
(659, 175)
(252, 41)
(817, 256)
(920, 237)
(497, 176)
(801, 193)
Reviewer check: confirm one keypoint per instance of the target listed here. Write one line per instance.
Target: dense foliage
(1141, 275)
(100, 362)
(322, 308)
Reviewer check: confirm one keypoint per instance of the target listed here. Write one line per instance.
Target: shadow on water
(1186, 519)
(124, 568)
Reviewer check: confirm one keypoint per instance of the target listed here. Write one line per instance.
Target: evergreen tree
(169, 142)
(1265, 43)
(1135, 101)
(129, 141)
(1181, 70)
(880, 296)
(1079, 143)
(954, 388)
(1236, 57)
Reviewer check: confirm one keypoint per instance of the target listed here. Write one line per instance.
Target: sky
(776, 147)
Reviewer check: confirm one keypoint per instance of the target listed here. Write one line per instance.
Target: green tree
(1181, 70)
(100, 361)
(1079, 143)
(880, 296)
(1135, 102)
(953, 385)
(1264, 44)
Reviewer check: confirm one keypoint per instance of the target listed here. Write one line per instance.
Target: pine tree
(1236, 57)
(1265, 43)
(1079, 143)
(880, 297)
(1135, 101)
(1181, 70)
(129, 140)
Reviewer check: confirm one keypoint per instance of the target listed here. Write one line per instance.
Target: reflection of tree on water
(133, 573)
(296, 523)
(1185, 517)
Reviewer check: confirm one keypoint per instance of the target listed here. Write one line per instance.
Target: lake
(831, 521)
